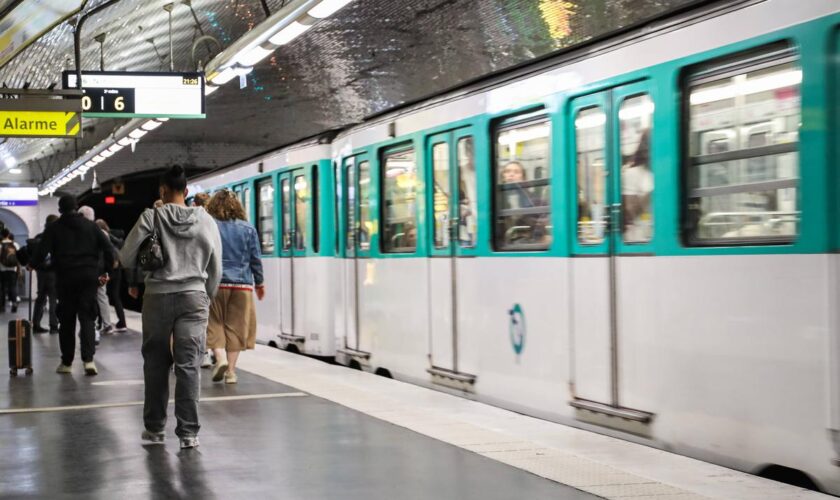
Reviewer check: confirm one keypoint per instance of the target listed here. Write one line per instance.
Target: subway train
(638, 237)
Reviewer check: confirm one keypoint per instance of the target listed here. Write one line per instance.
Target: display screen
(18, 196)
(141, 95)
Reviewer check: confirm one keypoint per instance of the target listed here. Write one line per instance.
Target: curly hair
(201, 199)
(224, 205)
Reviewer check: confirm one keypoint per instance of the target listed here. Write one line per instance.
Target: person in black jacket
(75, 246)
(46, 285)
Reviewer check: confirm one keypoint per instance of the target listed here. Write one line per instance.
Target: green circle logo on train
(517, 328)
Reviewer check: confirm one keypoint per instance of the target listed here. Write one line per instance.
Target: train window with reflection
(313, 197)
(635, 116)
(467, 193)
(365, 219)
(286, 205)
(442, 198)
(744, 116)
(265, 214)
(523, 196)
(591, 147)
(399, 209)
(301, 210)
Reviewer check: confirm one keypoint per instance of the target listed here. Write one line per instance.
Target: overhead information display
(121, 94)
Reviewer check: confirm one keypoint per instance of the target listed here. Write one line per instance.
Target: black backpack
(8, 255)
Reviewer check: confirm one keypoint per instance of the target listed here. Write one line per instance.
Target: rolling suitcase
(20, 341)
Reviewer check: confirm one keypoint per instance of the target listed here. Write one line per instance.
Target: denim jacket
(241, 263)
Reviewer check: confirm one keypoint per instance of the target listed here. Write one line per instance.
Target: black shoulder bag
(151, 256)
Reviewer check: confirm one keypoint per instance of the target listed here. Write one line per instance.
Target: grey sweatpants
(183, 316)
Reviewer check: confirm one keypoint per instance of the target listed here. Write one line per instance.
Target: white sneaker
(62, 368)
(90, 368)
(206, 362)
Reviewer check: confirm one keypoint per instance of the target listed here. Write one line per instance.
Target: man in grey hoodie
(176, 305)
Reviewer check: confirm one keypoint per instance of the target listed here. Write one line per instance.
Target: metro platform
(298, 428)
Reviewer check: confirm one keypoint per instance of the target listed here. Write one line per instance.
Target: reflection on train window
(350, 222)
(636, 120)
(265, 215)
(313, 203)
(744, 163)
(440, 203)
(286, 205)
(522, 210)
(467, 193)
(339, 187)
(590, 142)
(246, 204)
(365, 219)
(399, 211)
(301, 202)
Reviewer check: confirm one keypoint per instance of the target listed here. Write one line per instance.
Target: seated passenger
(176, 305)
(525, 228)
(233, 319)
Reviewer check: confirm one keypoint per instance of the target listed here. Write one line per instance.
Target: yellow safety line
(52, 409)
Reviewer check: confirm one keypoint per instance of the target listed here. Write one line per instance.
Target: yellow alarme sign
(40, 123)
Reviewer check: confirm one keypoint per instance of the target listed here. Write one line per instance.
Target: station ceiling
(369, 57)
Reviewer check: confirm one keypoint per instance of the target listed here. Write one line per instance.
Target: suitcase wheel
(29, 371)
(13, 372)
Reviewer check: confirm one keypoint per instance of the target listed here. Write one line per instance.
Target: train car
(288, 196)
(638, 237)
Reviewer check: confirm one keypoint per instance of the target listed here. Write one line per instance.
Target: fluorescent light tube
(106, 153)
(209, 89)
(327, 8)
(289, 33)
(115, 148)
(137, 133)
(253, 56)
(150, 125)
(15, 171)
(225, 76)
(125, 141)
(98, 159)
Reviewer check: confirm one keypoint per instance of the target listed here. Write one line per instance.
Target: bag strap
(156, 224)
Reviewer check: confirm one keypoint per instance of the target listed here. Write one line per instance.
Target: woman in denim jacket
(233, 320)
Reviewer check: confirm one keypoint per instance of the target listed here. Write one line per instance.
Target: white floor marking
(97, 406)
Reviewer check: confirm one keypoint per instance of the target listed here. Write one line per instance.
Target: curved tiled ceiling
(371, 56)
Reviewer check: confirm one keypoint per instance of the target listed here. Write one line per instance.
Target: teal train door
(614, 221)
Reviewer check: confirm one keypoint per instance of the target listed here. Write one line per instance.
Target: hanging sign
(122, 94)
(18, 196)
(39, 116)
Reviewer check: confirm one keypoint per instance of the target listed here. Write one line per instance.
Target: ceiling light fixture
(15, 171)
(327, 8)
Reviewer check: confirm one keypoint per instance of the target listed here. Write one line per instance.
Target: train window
(301, 209)
(246, 204)
(743, 164)
(265, 215)
(635, 122)
(339, 190)
(522, 210)
(467, 193)
(350, 222)
(316, 244)
(365, 219)
(590, 142)
(286, 204)
(440, 204)
(399, 211)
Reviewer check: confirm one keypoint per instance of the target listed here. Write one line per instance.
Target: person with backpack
(75, 246)
(9, 270)
(181, 251)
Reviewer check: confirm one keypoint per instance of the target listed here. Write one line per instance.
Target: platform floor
(78, 437)
(297, 428)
